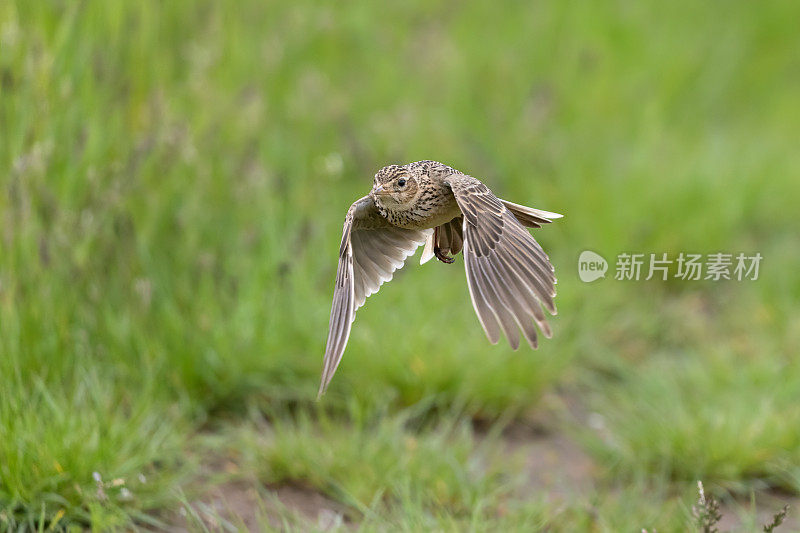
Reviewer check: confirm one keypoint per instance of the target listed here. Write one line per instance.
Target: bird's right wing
(508, 274)
(370, 252)
(530, 217)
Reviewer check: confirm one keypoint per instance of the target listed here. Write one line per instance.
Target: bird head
(395, 188)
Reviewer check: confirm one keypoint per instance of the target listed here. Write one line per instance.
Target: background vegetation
(173, 179)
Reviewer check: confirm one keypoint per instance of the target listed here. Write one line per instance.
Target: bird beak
(380, 190)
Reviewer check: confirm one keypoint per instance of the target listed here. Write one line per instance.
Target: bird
(509, 276)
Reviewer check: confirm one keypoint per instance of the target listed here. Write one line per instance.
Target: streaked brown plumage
(508, 274)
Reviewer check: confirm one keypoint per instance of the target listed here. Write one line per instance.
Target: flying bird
(509, 276)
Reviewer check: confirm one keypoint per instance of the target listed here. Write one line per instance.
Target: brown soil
(554, 463)
(246, 504)
(767, 503)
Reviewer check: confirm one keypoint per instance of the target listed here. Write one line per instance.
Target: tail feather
(529, 216)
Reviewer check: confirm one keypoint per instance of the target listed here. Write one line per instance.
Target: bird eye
(401, 182)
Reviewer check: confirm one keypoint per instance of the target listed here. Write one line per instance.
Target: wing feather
(488, 281)
(370, 252)
(485, 314)
(509, 276)
(529, 216)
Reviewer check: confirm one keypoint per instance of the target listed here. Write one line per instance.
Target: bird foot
(443, 257)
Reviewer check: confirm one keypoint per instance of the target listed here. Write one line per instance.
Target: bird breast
(433, 206)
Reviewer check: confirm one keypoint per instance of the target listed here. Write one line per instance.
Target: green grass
(173, 177)
(368, 463)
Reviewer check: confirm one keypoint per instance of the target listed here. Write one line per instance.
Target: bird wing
(371, 250)
(508, 274)
(530, 217)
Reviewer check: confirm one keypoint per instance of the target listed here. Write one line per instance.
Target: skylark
(508, 274)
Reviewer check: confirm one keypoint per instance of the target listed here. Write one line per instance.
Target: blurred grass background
(173, 179)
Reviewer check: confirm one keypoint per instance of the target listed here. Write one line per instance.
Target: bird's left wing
(508, 274)
(370, 252)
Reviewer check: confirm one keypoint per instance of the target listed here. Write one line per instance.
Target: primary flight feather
(509, 276)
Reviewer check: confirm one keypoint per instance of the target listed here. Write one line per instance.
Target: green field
(173, 180)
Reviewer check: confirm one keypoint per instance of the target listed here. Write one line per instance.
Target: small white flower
(596, 421)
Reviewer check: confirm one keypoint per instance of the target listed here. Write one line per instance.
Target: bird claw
(443, 257)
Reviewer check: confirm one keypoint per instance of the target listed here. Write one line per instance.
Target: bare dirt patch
(232, 500)
(554, 463)
(311, 505)
(767, 504)
(232, 504)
